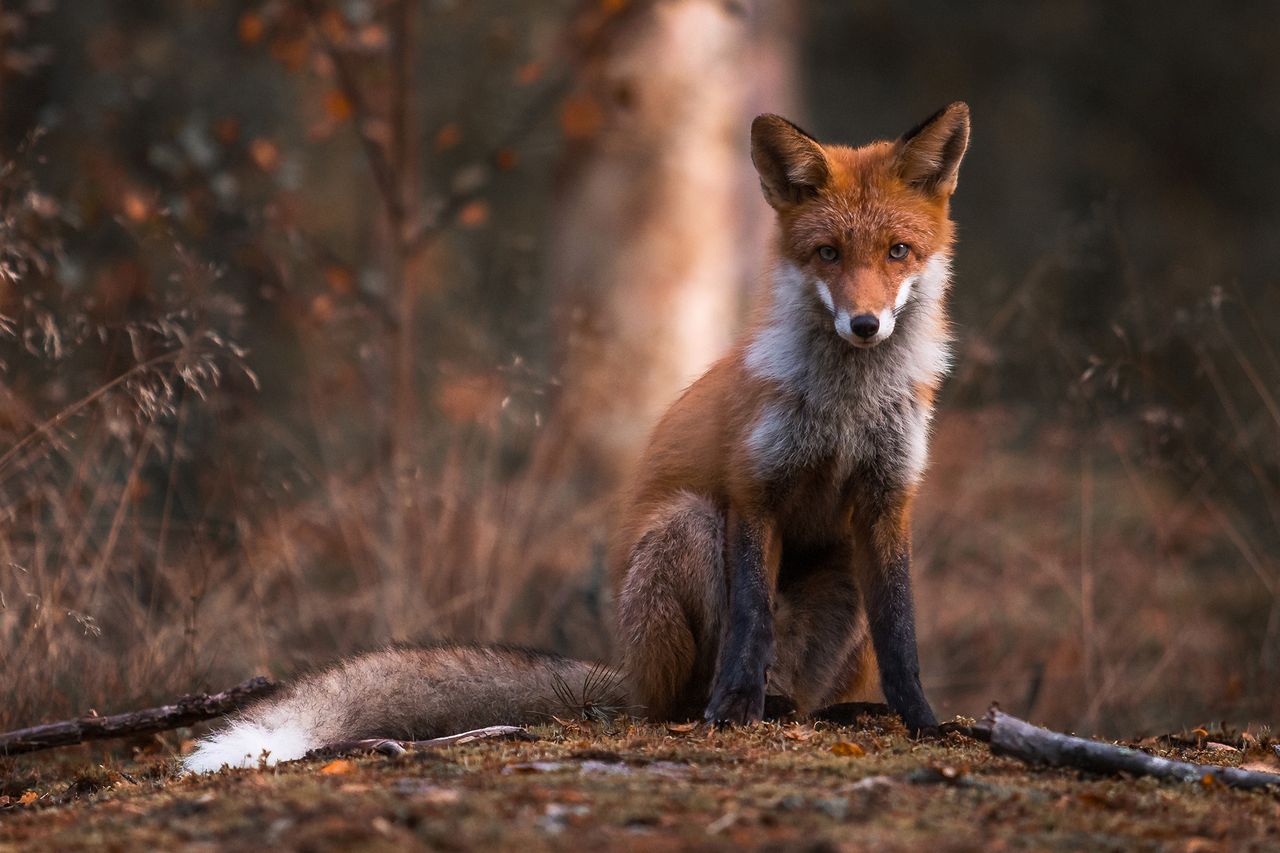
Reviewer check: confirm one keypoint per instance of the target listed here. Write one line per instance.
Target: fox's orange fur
(765, 544)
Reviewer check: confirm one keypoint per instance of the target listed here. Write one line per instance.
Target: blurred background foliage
(334, 322)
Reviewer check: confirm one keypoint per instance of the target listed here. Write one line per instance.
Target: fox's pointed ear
(791, 164)
(929, 154)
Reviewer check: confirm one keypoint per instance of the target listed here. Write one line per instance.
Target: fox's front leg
(886, 592)
(746, 644)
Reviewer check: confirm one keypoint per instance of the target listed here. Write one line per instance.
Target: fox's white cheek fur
(842, 321)
(778, 350)
(246, 744)
(887, 324)
(904, 291)
(933, 279)
(824, 293)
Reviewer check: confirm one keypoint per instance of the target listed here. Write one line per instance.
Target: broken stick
(1034, 745)
(183, 712)
(390, 746)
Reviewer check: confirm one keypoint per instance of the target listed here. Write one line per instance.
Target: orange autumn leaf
(334, 26)
(506, 159)
(372, 37)
(322, 308)
(28, 798)
(681, 728)
(135, 207)
(448, 136)
(250, 28)
(265, 154)
(847, 749)
(338, 767)
(291, 52)
(340, 279)
(474, 214)
(528, 73)
(580, 117)
(337, 106)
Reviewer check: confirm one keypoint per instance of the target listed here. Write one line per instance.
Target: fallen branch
(390, 746)
(183, 712)
(1034, 745)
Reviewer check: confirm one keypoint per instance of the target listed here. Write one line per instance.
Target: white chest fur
(854, 409)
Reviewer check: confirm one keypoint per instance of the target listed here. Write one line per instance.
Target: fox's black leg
(746, 646)
(892, 620)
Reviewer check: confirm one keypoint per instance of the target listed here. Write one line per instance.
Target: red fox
(765, 545)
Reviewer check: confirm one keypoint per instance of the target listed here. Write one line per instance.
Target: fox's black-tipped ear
(929, 154)
(791, 164)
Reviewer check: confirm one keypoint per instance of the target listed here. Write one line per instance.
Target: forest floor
(630, 786)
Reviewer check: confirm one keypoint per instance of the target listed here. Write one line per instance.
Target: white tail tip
(244, 744)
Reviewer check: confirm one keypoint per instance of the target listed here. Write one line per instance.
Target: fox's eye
(898, 251)
(828, 253)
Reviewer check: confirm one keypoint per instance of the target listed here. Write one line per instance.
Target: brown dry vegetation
(640, 787)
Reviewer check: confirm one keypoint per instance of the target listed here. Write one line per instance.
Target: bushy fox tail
(408, 694)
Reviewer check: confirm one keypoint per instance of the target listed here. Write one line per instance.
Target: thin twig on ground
(183, 712)
(390, 746)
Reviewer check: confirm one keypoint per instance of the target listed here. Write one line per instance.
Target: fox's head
(867, 228)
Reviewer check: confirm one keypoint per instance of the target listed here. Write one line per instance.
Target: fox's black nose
(864, 325)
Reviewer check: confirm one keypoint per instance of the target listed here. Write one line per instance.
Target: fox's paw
(737, 705)
(920, 723)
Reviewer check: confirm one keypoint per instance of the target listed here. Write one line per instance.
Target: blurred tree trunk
(660, 228)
